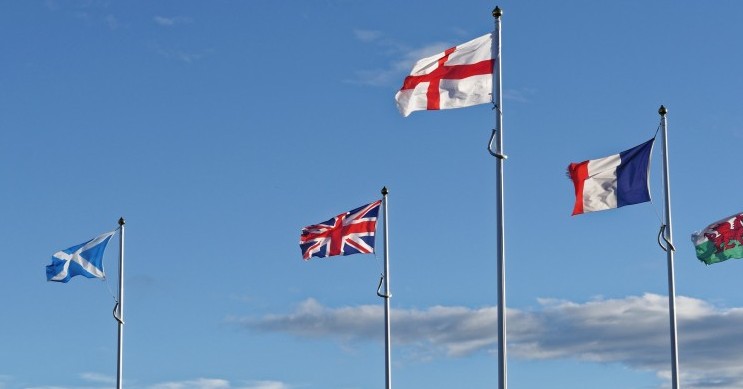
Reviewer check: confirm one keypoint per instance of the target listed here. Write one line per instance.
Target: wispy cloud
(112, 22)
(403, 59)
(632, 331)
(97, 377)
(266, 385)
(91, 12)
(522, 95)
(171, 20)
(51, 5)
(216, 383)
(200, 383)
(179, 54)
(367, 35)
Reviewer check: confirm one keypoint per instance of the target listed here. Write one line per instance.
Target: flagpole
(668, 236)
(500, 158)
(386, 296)
(120, 308)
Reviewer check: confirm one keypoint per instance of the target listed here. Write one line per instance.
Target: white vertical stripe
(600, 188)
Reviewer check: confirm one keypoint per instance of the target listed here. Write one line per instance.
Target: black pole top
(662, 111)
(497, 12)
(121, 221)
(384, 191)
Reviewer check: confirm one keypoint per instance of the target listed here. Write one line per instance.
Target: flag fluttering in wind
(459, 77)
(720, 241)
(613, 181)
(349, 233)
(85, 259)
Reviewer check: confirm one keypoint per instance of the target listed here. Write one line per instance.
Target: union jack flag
(349, 233)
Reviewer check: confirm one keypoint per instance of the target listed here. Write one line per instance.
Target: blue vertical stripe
(632, 175)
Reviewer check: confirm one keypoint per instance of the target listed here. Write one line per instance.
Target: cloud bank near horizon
(632, 331)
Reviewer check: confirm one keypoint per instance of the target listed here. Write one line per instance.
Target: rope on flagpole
(668, 242)
(113, 296)
(663, 226)
(111, 292)
(116, 316)
(384, 296)
(490, 146)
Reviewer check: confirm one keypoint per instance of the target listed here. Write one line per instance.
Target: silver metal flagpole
(668, 236)
(120, 308)
(500, 158)
(386, 295)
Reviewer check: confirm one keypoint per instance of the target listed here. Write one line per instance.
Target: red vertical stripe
(336, 235)
(432, 94)
(578, 173)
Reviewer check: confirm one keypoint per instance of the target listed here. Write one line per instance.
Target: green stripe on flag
(706, 252)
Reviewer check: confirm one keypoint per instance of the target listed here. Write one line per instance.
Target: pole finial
(384, 191)
(497, 12)
(121, 221)
(662, 110)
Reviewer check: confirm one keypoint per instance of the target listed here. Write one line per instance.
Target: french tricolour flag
(613, 181)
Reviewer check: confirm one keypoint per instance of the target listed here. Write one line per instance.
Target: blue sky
(220, 129)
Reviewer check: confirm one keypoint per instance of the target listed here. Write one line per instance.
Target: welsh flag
(720, 241)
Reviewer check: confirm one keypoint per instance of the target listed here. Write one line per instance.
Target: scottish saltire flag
(349, 233)
(85, 259)
(720, 241)
(613, 181)
(459, 77)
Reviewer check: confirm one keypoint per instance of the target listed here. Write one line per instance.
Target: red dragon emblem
(726, 235)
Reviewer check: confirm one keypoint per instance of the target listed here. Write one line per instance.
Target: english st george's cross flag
(720, 241)
(613, 181)
(85, 259)
(349, 233)
(459, 77)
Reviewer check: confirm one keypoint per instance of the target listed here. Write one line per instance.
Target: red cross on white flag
(459, 77)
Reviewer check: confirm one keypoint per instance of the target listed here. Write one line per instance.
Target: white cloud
(48, 387)
(632, 331)
(171, 21)
(216, 383)
(367, 35)
(519, 95)
(200, 383)
(178, 54)
(397, 69)
(112, 22)
(266, 385)
(97, 377)
(51, 5)
(403, 59)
